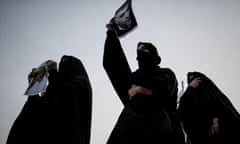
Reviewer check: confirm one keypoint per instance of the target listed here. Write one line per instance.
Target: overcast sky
(191, 35)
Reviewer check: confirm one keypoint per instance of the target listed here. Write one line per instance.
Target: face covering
(147, 55)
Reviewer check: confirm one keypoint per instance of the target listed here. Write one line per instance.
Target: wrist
(215, 120)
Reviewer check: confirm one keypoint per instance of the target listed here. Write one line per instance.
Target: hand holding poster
(124, 19)
(37, 83)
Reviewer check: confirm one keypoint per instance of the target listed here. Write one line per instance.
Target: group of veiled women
(62, 115)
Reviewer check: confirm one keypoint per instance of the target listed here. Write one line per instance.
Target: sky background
(191, 35)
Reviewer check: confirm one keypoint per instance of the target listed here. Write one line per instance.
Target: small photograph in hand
(124, 19)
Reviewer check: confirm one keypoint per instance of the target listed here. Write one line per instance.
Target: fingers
(215, 127)
(31, 75)
(132, 90)
(110, 26)
(36, 74)
(195, 82)
(51, 64)
(214, 130)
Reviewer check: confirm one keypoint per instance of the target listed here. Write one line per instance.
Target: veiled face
(141, 47)
(192, 75)
(147, 55)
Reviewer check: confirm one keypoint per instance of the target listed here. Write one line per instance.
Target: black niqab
(147, 59)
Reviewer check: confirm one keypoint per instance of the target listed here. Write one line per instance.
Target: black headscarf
(70, 66)
(148, 59)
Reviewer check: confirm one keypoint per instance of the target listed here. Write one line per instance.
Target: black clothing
(63, 114)
(150, 58)
(26, 129)
(145, 118)
(197, 108)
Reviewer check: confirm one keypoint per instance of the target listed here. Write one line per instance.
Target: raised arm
(116, 65)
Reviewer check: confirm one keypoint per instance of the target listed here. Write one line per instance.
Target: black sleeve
(52, 75)
(26, 127)
(116, 66)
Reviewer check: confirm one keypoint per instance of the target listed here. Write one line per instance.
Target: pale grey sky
(201, 35)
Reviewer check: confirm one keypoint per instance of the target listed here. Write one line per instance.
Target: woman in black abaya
(207, 114)
(63, 114)
(148, 94)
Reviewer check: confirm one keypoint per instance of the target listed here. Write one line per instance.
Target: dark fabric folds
(116, 66)
(144, 118)
(63, 114)
(198, 106)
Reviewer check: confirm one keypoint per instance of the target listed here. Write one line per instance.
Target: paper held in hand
(37, 86)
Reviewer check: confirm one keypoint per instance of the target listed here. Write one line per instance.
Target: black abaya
(63, 114)
(198, 106)
(144, 118)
